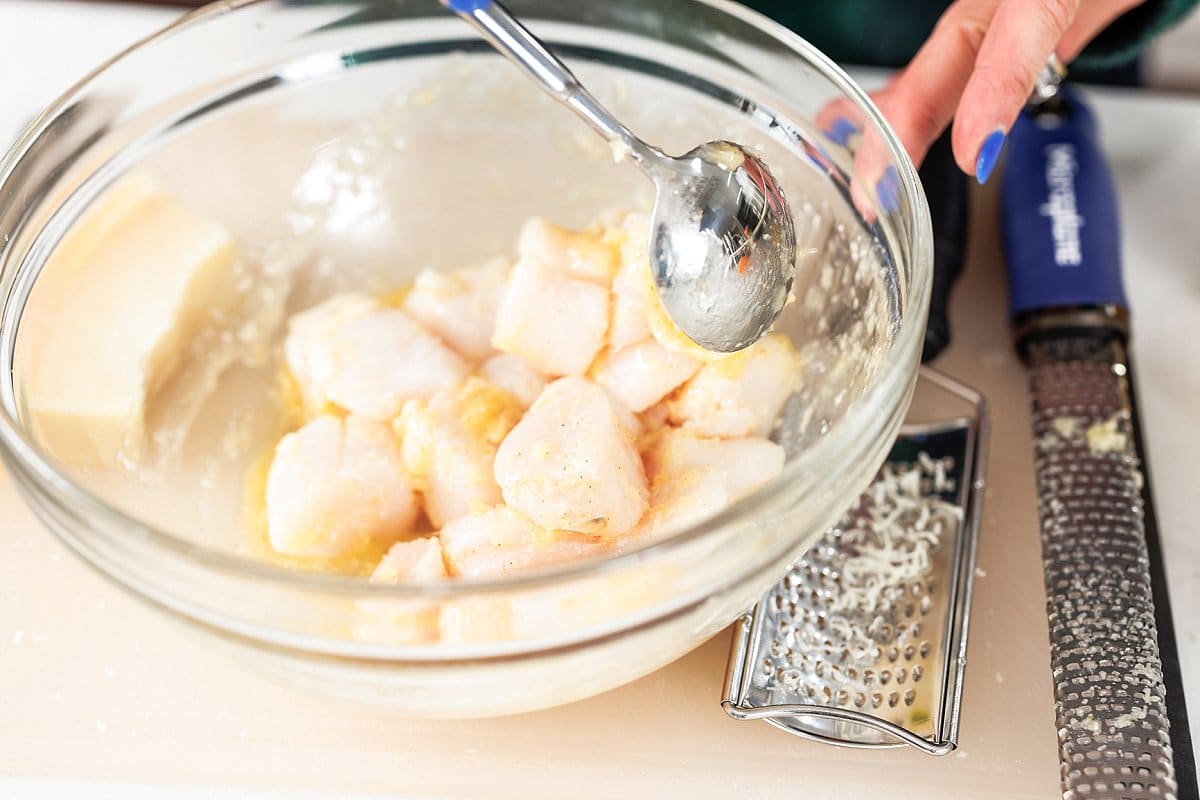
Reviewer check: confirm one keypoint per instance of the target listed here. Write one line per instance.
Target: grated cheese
(885, 549)
(892, 542)
(1127, 719)
(1106, 437)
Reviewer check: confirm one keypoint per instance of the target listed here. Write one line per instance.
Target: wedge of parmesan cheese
(120, 300)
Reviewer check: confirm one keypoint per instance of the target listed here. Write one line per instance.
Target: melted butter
(291, 402)
(668, 334)
(258, 543)
(294, 411)
(662, 327)
(487, 412)
(395, 298)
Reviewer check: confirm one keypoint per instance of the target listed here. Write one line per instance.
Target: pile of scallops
(514, 415)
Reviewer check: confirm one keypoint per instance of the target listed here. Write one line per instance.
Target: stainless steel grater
(1119, 704)
(863, 642)
(1110, 701)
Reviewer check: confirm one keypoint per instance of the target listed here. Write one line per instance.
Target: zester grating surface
(1109, 696)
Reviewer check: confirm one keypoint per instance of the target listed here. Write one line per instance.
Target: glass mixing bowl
(350, 143)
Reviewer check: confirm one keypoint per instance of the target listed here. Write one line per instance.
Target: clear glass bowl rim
(18, 446)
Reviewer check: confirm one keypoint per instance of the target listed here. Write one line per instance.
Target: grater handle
(1059, 216)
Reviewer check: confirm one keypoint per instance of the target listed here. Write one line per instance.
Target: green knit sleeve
(1126, 37)
(887, 33)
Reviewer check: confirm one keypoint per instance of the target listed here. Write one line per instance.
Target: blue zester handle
(1059, 213)
(465, 6)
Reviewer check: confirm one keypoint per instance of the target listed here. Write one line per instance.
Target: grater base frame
(791, 716)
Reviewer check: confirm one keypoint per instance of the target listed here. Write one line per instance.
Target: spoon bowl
(722, 245)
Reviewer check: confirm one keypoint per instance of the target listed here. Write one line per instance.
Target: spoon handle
(512, 39)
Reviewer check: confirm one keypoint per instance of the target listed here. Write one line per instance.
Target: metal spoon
(722, 245)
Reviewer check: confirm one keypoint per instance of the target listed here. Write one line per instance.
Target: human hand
(979, 66)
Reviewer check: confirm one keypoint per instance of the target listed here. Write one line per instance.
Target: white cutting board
(94, 686)
(100, 687)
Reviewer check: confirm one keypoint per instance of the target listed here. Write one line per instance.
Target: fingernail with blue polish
(467, 6)
(841, 130)
(989, 154)
(888, 190)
